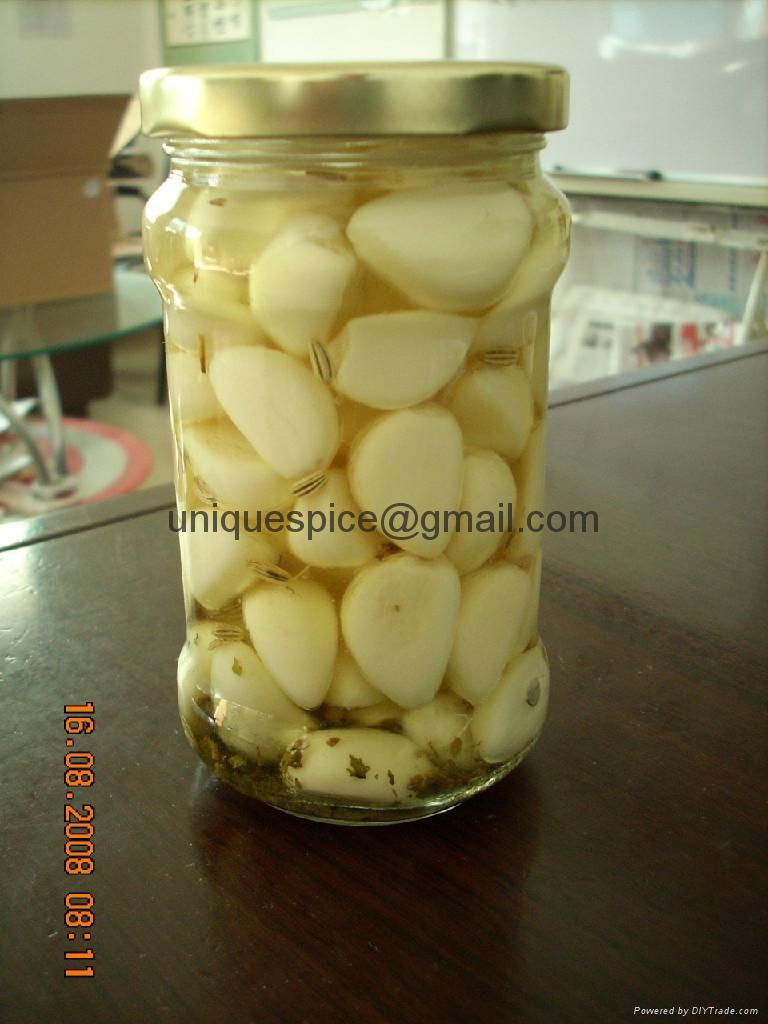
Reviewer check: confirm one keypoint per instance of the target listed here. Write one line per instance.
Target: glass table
(36, 332)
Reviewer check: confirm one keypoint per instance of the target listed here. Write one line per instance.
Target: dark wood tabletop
(621, 867)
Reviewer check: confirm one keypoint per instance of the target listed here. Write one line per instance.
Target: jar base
(264, 783)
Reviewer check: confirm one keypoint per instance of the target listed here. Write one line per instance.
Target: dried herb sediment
(358, 769)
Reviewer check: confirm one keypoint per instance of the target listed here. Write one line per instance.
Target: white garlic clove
(398, 618)
(210, 290)
(226, 230)
(164, 228)
(489, 628)
(218, 565)
(414, 458)
(529, 475)
(209, 310)
(205, 635)
(331, 512)
(512, 714)
(366, 765)
(280, 406)
(239, 675)
(298, 282)
(393, 360)
(230, 471)
(252, 713)
(189, 389)
(294, 629)
(489, 486)
(349, 687)
(449, 247)
(542, 265)
(441, 728)
(494, 407)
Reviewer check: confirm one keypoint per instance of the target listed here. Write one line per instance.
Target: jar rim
(405, 98)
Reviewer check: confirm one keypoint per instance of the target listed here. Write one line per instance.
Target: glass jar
(356, 267)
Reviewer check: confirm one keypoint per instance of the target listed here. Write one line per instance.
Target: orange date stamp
(79, 833)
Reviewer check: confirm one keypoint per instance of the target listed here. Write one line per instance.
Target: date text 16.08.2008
(79, 723)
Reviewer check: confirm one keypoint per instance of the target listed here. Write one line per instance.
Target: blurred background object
(665, 163)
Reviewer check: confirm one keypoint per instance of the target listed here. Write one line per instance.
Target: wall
(76, 47)
(292, 31)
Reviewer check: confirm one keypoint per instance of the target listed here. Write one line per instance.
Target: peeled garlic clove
(529, 475)
(349, 687)
(298, 282)
(511, 716)
(229, 230)
(295, 632)
(208, 310)
(366, 765)
(286, 413)
(538, 272)
(164, 228)
(225, 230)
(441, 728)
(210, 290)
(205, 635)
(489, 628)
(252, 713)
(393, 360)
(488, 486)
(413, 457)
(190, 391)
(450, 247)
(239, 675)
(229, 470)
(216, 564)
(494, 407)
(398, 619)
(332, 513)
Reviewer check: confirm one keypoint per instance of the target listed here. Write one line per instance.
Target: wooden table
(621, 866)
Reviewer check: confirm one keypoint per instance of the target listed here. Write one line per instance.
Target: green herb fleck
(391, 778)
(237, 668)
(333, 741)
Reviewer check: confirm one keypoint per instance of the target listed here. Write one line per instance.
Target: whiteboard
(674, 86)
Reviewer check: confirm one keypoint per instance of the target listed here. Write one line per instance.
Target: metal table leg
(53, 479)
(50, 403)
(19, 426)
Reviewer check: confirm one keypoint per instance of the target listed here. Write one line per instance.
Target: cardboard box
(56, 215)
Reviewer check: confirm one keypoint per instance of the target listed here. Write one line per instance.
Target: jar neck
(357, 157)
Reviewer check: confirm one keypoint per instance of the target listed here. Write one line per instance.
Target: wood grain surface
(621, 866)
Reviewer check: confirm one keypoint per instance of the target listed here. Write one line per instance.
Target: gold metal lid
(278, 100)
